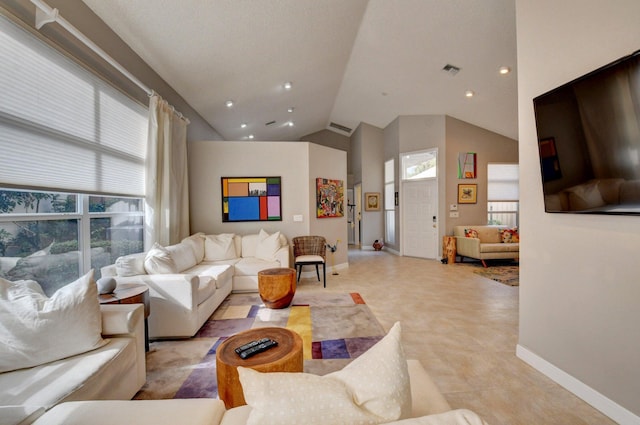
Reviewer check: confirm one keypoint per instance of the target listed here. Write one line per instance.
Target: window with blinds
(503, 194)
(63, 127)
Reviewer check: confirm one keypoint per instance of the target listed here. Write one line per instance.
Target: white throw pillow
(196, 242)
(37, 329)
(159, 261)
(182, 255)
(130, 265)
(374, 388)
(267, 246)
(219, 247)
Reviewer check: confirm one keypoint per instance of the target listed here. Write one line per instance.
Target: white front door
(419, 218)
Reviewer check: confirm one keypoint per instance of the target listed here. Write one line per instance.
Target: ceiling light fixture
(251, 136)
(469, 93)
(504, 70)
(290, 123)
(288, 85)
(243, 125)
(290, 110)
(229, 103)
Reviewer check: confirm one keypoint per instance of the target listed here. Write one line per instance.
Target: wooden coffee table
(131, 293)
(277, 286)
(286, 357)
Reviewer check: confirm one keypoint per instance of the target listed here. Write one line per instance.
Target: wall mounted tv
(589, 141)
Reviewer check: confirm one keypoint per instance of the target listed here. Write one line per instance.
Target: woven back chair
(308, 251)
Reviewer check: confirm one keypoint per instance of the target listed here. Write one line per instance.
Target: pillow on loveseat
(36, 329)
(374, 388)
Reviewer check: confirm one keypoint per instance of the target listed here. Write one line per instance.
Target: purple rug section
(202, 382)
(342, 348)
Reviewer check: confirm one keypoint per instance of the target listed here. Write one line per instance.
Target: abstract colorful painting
(329, 198)
(467, 165)
(251, 199)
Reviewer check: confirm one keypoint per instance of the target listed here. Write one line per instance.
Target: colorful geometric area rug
(335, 328)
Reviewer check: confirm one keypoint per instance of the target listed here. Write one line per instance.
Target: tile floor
(464, 330)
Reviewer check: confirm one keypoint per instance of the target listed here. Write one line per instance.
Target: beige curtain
(166, 182)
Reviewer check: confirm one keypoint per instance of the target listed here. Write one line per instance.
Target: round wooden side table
(277, 286)
(131, 293)
(286, 357)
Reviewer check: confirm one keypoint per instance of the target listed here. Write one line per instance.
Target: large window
(72, 160)
(42, 236)
(420, 165)
(389, 202)
(503, 194)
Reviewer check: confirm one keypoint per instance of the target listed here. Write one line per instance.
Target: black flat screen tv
(589, 141)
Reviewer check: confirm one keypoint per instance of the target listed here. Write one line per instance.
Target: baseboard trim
(577, 387)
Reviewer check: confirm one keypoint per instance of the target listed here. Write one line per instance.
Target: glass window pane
(420, 165)
(112, 237)
(19, 202)
(45, 251)
(114, 205)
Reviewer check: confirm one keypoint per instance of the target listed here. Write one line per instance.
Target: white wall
(579, 286)
(298, 163)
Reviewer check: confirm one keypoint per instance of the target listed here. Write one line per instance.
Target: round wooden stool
(286, 357)
(277, 287)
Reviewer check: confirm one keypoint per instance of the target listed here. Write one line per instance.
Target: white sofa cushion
(131, 265)
(159, 261)
(250, 266)
(374, 388)
(37, 329)
(196, 242)
(267, 246)
(220, 273)
(219, 247)
(453, 417)
(183, 256)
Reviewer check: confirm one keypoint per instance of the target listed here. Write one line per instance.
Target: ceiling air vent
(451, 69)
(340, 127)
(269, 123)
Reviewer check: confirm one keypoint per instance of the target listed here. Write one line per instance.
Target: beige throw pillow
(37, 329)
(374, 388)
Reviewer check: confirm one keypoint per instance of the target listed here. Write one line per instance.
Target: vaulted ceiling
(348, 61)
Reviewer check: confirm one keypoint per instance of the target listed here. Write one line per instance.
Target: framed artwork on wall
(372, 201)
(251, 199)
(329, 198)
(467, 165)
(467, 193)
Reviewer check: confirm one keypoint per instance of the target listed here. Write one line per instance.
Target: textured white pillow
(267, 246)
(182, 255)
(159, 261)
(196, 242)
(219, 247)
(374, 388)
(130, 265)
(37, 329)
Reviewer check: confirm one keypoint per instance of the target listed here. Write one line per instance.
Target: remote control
(258, 349)
(251, 344)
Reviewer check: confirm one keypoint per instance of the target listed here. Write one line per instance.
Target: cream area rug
(335, 328)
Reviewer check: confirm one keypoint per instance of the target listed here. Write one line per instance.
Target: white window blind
(61, 126)
(502, 182)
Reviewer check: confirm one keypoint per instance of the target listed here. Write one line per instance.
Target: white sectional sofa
(189, 280)
(115, 371)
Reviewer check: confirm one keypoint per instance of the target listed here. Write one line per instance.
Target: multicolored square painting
(251, 199)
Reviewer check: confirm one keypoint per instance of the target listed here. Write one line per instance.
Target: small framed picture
(467, 193)
(372, 201)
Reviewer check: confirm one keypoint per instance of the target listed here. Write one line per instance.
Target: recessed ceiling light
(251, 136)
(290, 123)
(229, 103)
(243, 125)
(288, 85)
(504, 70)
(290, 110)
(469, 93)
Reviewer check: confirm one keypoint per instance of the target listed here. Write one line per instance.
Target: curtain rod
(45, 14)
